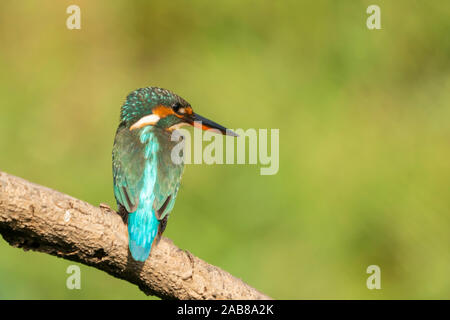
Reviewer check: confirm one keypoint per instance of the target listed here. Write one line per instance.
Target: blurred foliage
(364, 135)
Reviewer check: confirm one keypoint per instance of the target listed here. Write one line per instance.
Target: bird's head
(162, 108)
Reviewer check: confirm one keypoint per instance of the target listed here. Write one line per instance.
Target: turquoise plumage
(146, 180)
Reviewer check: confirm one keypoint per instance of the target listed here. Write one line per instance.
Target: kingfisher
(146, 179)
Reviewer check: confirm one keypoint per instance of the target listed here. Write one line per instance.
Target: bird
(145, 179)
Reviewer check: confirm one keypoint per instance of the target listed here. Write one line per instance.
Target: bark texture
(37, 218)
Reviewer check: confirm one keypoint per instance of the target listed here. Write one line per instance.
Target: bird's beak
(205, 124)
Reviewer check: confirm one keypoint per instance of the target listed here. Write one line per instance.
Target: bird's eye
(178, 108)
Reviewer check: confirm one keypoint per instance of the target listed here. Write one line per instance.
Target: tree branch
(36, 218)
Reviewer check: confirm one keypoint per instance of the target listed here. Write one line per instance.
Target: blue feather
(143, 224)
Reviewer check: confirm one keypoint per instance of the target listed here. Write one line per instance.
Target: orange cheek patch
(163, 111)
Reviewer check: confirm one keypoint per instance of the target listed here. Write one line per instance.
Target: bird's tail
(142, 230)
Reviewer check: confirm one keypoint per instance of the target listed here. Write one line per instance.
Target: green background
(364, 136)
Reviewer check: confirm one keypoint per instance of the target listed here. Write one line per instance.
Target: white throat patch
(149, 120)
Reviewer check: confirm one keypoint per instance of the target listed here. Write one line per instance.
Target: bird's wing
(128, 168)
(169, 177)
(164, 200)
